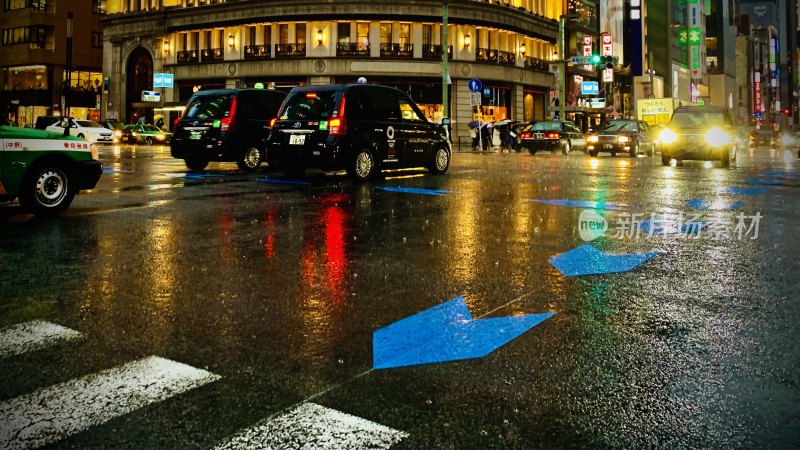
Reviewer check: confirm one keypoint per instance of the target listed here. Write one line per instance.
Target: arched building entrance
(139, 78)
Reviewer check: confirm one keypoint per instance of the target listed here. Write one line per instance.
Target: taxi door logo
(390, 132)
(591, 225)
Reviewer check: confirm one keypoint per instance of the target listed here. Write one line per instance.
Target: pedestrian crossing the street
(51, 414)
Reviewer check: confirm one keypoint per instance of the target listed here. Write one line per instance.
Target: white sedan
(84, 129)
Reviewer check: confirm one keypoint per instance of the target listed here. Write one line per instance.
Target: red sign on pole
(587, 45)
(757, 97)
(608, 44)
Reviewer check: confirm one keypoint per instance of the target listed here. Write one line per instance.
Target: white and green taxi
(45, 170)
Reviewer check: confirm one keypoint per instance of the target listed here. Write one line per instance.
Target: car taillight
(337, 126)
(552, 135)
(525, 136)
(229, 123)
(175, 122)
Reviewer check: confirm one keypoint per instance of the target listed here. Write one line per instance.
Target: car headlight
(118, 133)
(667, 136)
(592, 139)
(623, 139)
(133, 133)
(717, 137)
(160, 137)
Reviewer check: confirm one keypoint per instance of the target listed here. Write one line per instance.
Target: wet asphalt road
(277, 287)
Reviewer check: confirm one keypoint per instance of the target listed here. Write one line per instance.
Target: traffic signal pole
(562, 80)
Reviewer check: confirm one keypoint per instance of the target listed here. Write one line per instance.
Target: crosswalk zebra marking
(312, 426)
(30, 336)
(56, 412)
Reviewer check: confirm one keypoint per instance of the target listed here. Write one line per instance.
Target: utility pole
(68, 67)
(445, 46)
(562, 54)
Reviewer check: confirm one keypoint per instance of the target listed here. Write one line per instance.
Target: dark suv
(226, 125)
(698, 132)
(361, 128)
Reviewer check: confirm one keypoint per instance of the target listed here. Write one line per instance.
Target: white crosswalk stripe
(311, 426)
(54, 413)
(30, 336)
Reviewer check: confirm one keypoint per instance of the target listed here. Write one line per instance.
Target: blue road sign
(446, 332)
(587, 260)
(169, 80)
(705, 205)
(475, 85)
(163, 80)
(585, 204)
(758, 114)
(590, 88)
(414, 190)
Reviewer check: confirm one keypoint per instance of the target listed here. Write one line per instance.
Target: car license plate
(608, 146)
(297, 139)
(195, 135)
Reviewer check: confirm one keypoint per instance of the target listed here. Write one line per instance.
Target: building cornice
(464, 12)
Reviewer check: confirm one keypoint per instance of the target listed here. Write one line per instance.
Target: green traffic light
(595, 59)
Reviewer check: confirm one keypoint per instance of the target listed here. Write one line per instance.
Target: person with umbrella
(473, 133)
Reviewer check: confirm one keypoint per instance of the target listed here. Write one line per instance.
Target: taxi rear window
(306, 105)
(208, 106)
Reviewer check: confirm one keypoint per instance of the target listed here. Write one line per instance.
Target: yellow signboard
(654, 111)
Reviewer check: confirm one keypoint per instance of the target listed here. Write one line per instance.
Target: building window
(343, 32)
(386, 33)
(404, 35)
(362, 33)
(97, 39)
(99, 6)
(267, 31)
(220, 38)
(11, 5)
(207, 39)
(252, 33)
(25, 35)
(300, 33)
(283, 33)
(427, 34)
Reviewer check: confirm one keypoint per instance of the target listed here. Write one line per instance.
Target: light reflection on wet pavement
(278, 287)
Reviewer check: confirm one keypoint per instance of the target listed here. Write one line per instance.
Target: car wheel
(441, 161)
(250, 160)
(566, 148)
(533, 151)
(148, 140)
(363, 166)
(593, 153)
(47, 189)
(665, 160)
(196, 163)
(81, 136)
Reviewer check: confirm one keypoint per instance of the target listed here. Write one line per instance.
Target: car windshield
(307, 105)
(546, 126)
(208, 106)
(619, 125)
(89, 124)
(698, 119)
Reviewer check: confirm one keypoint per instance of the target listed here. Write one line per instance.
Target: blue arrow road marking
(585, 204)
(670, 227)
(203, 175)
(446, 332)
(705, 205)
(736, 190)
(414, 190)
(779, 174)
(113, 171)
(587, 260)
(764, 182)
(281, 181)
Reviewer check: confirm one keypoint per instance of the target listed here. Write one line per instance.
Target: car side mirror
(446, 121)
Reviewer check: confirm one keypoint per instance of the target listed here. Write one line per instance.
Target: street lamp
(467, 41)
(231, 41)
(68, 77)
(319, 37)
(522, 49)
(165, 47)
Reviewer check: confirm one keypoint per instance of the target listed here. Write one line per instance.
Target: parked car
(226, 125)
(148, 134)
(553, 136)
(622, 136)
(42, 122)
(700, 133)
(45, 170)
(361, 128)
(84, 129)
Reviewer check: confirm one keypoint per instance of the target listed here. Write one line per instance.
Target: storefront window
(25, 77)
(85, 81)
(386, 33)
(496, 103)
